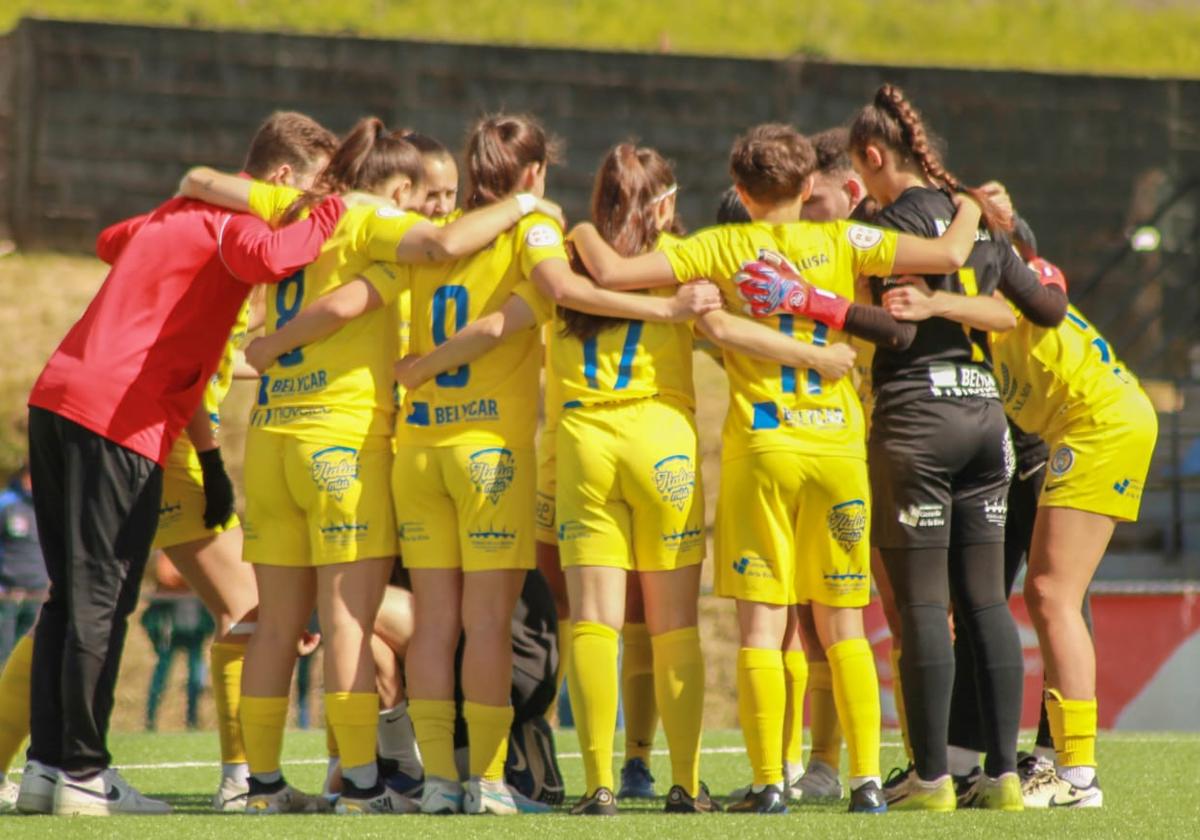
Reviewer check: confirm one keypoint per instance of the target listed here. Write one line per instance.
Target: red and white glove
(771, 284)
(1049, 273)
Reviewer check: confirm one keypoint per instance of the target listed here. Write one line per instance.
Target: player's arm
(555, 279)
(610, 270)
(915, 301)
(218, 489)
(750, 338)
(944, 254)
(254, 253)
(320, 319)
(468, 344)
(1038, 289)
(425, 242)
(112, 240)
(220, 188)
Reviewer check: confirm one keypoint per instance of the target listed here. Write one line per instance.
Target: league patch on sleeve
(864, 237)
(390, 212)
(542, 236)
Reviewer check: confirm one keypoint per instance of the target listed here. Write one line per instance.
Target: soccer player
(792, 517)
(104, 415)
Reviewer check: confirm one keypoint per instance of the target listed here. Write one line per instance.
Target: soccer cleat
(768, 800)
(282, 798)
(36, 795)
(1002, 793)
(868, 798)
(602, 803)
(531, 768)
(679, 801)
(103, 795)
(9, 791)
(916, 794)
(636, 781)
(1031, 764)
(896, 780)
(441, 796)
(380, 800)
(231, 796)
(1049, 790)
(485, 796)
(820, 781)
(963, 785)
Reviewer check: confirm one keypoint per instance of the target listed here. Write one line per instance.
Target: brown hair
(892, 120)
(367, 158)
(833, 150)
(425, 144)
(628, 181)
(771, 162)
(288, 137)
(499, 147)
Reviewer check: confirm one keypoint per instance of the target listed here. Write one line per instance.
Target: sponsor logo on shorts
(1129, 488)
(864, 237)
(1010, 456)
(334, 470)
(412, 532)
(492, 471)
(284, 415)
(683, 540)
(492, 539)
(754, 566)
(995, 511)
(950, 380)
(344, 533)
(168, 514)
(923, 516)
(847, 523)
(770, 415)
(675, 479)
(1062, 460)
(571, 530)
(845, 583)
(544, 511)
(542, 236)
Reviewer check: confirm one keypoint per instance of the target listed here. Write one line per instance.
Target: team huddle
(886, 332)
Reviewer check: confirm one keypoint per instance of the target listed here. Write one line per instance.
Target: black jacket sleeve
(1045, 306)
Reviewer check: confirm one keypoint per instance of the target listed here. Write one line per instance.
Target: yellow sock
(593, 682)
(354, 718)
(226, 660)
(898, 696)
(263, 720)
(14, 701)
(637, 692)
(679, 684)
(761, 701)
(564, 653)
(1073, 728)
(856, 693)
(331, 745)
(826, 730)
(795, 675)
(433, 722)
(487, 731)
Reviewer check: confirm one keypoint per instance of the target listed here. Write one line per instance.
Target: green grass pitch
(1147, 778)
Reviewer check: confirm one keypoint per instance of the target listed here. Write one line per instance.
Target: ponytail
(499, 148)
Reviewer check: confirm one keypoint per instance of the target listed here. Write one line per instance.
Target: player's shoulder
(917, 210)
(537, 230)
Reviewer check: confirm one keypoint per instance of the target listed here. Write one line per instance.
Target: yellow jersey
(339, 389)
(775, 406)
(1050, 377)
(629, 361)
(493, 400)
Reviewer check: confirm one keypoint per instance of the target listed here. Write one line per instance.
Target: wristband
(527, 202)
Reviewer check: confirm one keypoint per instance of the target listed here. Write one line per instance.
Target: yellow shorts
(794, 528)
(468, 507)
(313, 504)
(546, 528)
(1099, 464)
(181, 514)
(629, 492)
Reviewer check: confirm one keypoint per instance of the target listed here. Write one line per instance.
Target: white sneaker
(441, 796)
(387, 802)
(287, 800)
(36, 795)
(820, 781)
(1049, 790)
(484, 796)
(231, 796)
(9, 791)
(103, 795)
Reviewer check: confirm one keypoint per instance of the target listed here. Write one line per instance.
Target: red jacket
(134, 367)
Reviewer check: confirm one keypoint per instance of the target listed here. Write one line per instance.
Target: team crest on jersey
(492, 471)
(864, 236)
(1062, 460)
(847, 523)
(542, 236)
(675, 479)
(335, 470)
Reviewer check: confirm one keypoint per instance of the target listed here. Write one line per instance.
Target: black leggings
(924, 580)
